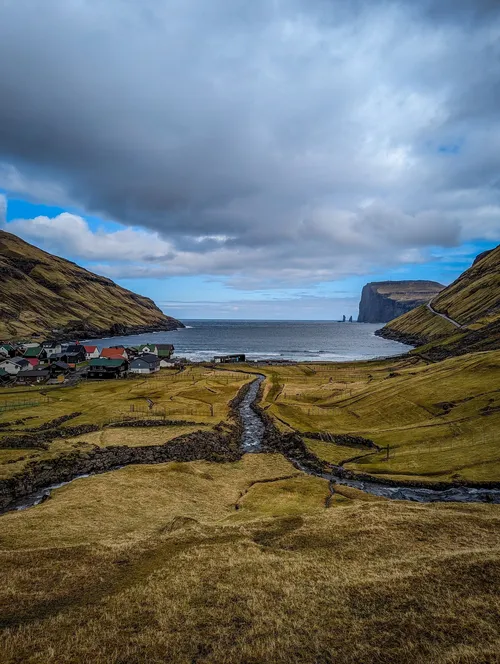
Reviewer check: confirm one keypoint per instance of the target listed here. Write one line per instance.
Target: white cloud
(271, 143)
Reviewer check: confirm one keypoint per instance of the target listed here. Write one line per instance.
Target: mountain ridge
(43, 294)
(472, 305)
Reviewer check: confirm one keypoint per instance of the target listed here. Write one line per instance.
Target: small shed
(229, 359)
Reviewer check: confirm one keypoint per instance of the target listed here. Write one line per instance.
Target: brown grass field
(155, 564)
(197, 395)
(440, 421)
(254, 562)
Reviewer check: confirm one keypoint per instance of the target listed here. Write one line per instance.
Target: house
(147, 348)
(28, 344)
(117, 353)
(35, 352)
(14, 365)
(145, 364)
(229, 359)
(75, 353)
(59, 368)
(34, 361)
(4, 377)
(165, 351)
(103, 367)
(91, 352)
(6, 350)
(33, 376)
(167, 364)
(52, 348)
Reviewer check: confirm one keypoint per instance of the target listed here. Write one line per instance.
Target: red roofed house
(114, 353)
(33, 361)
(91, 352)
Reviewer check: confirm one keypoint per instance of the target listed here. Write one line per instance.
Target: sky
(264, 159)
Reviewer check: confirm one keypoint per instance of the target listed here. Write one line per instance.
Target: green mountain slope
(464, 317)
(41, 293)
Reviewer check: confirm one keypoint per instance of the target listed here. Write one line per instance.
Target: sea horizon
(291, 340)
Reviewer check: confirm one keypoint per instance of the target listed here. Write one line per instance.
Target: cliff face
(41, 293)
(383, 301)
(472, 302)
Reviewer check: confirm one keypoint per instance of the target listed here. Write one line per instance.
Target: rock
(383, 301)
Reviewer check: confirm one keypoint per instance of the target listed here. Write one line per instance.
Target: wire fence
(24, 403)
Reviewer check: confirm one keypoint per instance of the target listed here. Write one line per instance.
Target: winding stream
(251, 442)
(253, 433)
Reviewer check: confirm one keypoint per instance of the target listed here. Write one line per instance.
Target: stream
(253, 433)
(251, 442)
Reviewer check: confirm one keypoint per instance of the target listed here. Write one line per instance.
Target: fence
(25, 403)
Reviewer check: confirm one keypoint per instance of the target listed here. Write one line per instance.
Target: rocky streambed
(252, 431)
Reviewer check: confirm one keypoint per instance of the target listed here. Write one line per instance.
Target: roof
(106, 362)
(165, 350)
(33, 351)
(113, 353)
(60, 365)
(90, 349)
(4, 373)
(147, 357)
(75, 348)
(34, 361)
(142, 346)
(7, 346)
(18, 360)
(34, 373)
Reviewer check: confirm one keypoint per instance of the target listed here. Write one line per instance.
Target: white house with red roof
(91, 352)
(114, 353)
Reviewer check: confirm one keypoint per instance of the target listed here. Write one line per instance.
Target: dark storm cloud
(273, 140)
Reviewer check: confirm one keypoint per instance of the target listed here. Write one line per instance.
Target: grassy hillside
(441, 421)
(40, 293)
(155, 564)
(472, 301)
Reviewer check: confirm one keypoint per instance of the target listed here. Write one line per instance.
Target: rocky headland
(382, 301)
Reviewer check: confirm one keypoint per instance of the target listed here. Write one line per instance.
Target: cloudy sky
(257, 159)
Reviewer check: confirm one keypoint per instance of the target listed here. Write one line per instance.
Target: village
(56, 363)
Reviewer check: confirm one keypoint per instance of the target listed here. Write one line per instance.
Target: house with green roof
(35, 352)
(165, 351)
(147, 348)
(103, 368)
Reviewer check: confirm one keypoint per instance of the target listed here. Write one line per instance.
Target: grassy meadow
(252, 561)
(197, 394)
(440, 421)
(245, 562)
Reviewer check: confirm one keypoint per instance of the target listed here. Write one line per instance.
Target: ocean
(299, 341)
